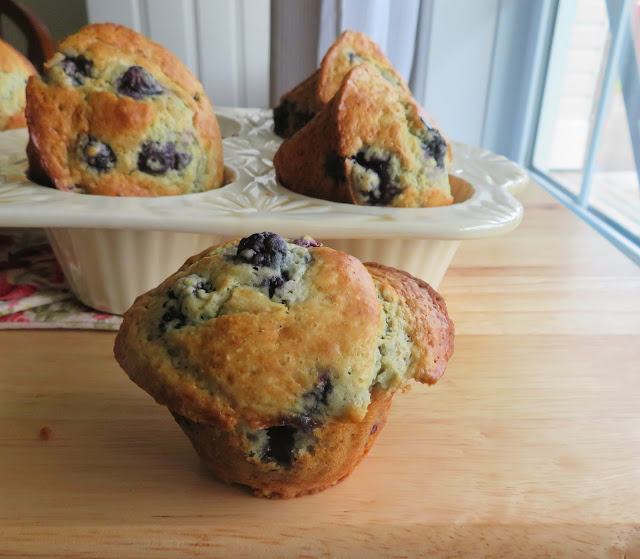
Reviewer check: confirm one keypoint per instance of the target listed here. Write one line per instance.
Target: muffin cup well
(108, 268)
(338, 449)
(141, 236)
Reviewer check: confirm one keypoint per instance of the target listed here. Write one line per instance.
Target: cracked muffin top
(267, 331)
(369, 146)
(298, 106)
(117, 114)
(15, 70)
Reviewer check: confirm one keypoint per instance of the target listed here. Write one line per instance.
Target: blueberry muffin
(117, 114)
(279, 357)
(369, 146)
(15, 70)
(298, 106)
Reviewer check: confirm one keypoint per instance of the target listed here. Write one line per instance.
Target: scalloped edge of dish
(254, 201)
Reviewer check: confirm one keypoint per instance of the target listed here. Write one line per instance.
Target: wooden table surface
(528, 447)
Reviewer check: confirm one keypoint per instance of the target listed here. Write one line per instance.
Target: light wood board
(528, 447)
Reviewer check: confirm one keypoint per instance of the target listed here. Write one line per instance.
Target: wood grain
(528, 447)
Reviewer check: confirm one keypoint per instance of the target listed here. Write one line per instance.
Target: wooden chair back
(40, 45)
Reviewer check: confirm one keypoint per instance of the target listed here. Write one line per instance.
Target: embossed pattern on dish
(254, 201)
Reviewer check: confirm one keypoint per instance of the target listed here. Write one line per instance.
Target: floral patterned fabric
(33, 291)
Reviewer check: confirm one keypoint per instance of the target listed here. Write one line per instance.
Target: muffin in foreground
(298, 106)
(15, 70)
(117, 114)
(279, 358)
(369, 146)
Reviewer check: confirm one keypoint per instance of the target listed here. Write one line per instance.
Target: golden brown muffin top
(112, 96)
(15, 69)
(370, 146)
(267, 331)
(13, 61)
(350, 50)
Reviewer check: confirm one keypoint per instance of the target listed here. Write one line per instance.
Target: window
(585, 147)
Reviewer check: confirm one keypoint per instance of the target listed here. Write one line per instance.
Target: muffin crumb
(278, 358)
(115, 114)
(46, 433)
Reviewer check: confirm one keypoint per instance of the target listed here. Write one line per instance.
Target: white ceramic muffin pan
(113, 249)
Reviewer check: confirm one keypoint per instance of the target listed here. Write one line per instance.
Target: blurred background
(551, 84)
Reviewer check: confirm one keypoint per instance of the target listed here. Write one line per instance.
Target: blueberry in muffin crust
(369, 146)
(155, 158)
(289, 117)
(77, 68)
(15, 70)
(117, 114)
(279, 357)
(298, 106)
(138, 83)
(97, 154)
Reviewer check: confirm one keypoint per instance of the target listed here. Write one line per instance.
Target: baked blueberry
(98, 155)
(281, 118)
(172, 318)
(306, 423)
(288, 117)
(354, 58)
(386, 191)
(205, 286)
(301, 118)
(316, 402)
(77, 68)
(113, 83)
(306, 242)
(433, 144)
(157, 159)
(349, 152)
(138, 83)
(262, 249)
(280, 447)
(320, 394)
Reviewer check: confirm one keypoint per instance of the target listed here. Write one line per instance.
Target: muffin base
(338, 449)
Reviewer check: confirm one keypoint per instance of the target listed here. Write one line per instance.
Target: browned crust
(301, 162)
(304, 95)
(341, 447)
(301, 102)
(51, 130)
(57, 115)
(255, 367)
(35, 172)
(332, 72)
(439, 198)
(15, 121)
(13, 61)
(431, 330)
(313, 93)
(353, 117)
(209, 420)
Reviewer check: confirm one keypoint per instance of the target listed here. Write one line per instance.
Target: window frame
(621, 41)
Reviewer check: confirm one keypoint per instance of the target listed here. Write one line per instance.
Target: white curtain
(302, 31)
(392, 24)
(469, 63)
